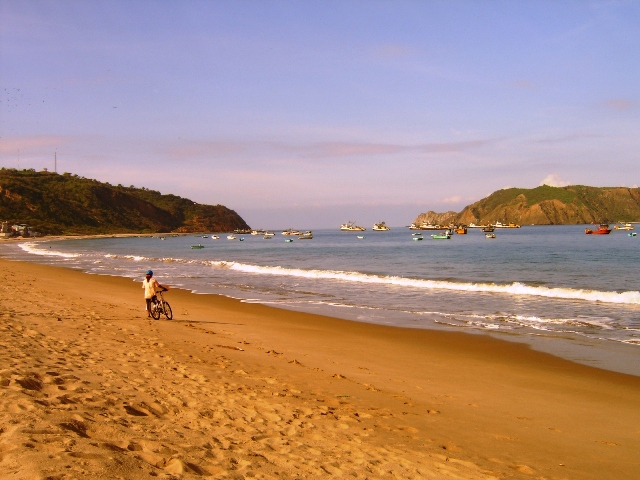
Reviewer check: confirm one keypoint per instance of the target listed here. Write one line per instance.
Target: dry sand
(90, 388)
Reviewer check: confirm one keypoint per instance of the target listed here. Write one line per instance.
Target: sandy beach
(91, 388)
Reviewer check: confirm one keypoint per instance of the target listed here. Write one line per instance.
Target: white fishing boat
(380, 227)
(292, 232)
(361, 237)
(306, 235)
(351, 227)
(215, 237)
(490, 235)
(626, 226)
(231, 237)
(269, 234)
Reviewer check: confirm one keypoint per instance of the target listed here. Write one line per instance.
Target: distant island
(67, 204)
(545, 205)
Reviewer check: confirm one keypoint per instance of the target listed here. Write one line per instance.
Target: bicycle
(160, 306)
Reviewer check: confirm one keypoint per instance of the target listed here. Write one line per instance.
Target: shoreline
(616, 356)
(403, 400)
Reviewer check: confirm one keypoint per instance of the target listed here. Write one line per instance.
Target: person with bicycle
(151, 286)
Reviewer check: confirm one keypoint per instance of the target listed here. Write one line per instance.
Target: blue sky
(307, 114)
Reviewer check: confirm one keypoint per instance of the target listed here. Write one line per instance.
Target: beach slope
(89, 387)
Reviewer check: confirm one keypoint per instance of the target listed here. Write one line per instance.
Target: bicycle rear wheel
(167, 311)
(155, 311)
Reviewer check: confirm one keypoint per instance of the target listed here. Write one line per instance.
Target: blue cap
(149, 272)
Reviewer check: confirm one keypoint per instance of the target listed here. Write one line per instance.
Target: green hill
(68, 204)
(545, 205)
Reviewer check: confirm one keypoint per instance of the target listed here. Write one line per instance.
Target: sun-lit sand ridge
(89, 388)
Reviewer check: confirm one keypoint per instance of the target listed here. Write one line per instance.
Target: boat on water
(473, 225)
(461, 229)
(197, 247)
(505, 225)
(163, 238)
(361, 237)
(231, 237)
(430, 226)
(626, 226)
(632, 234)
(242, 231)
(413, 226)
(490, 235)
(292, 232)
(603, 229)
(380, 227)
(215, 237)
(306, 235)
(417, 234)
(488, 229)
(351, 227)
(441, 236)
(288, 240)
(258, 232)
(418, 238)
(269, 234)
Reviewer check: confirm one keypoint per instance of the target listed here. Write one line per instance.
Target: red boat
(603, 229)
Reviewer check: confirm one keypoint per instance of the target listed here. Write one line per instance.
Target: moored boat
(351, 227)
(380, 227)
(441, 236)
(490, 235)
(626, 226)
(603, 229)
(632, 234)
(461, 229)
(488, 228)
(308, 235)
(231, 237)
(196, 247)
(292, 232)
(418, 238)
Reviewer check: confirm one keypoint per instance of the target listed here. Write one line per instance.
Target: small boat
(418, 238)
(215, 237)
(627, 226)
(488, 229)
(603, 229)
(441, 236)
(361, 237)
(241, 239)
(163, 238)
(269, 234)
(413, 226)
(205, 236)
(231, 237)
(632, 234)
(380, 227)
(461, 229)
(291, 232)
(197, 247)
(306, 235)
(506, 225)
(417, 234)
(490, 235)
(288, 240)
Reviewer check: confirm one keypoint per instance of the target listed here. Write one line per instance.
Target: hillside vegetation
(68, 204)
(545, 205)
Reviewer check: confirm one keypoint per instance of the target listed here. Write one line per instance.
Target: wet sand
(89, 387)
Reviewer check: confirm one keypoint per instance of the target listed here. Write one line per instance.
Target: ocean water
(564, 292)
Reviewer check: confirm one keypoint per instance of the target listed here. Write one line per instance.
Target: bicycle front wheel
(167, 311)
(155, 311)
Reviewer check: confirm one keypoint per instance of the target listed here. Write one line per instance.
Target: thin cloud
(36, 142)
(567, 138)
(554, 180)
(620, 104)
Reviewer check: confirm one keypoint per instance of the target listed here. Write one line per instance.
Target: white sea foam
(33, 249)
(516, 288)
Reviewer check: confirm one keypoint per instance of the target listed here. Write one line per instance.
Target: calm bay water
(562, 291)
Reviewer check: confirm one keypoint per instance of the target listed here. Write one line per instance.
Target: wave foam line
(31, 248)
(516, 288)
